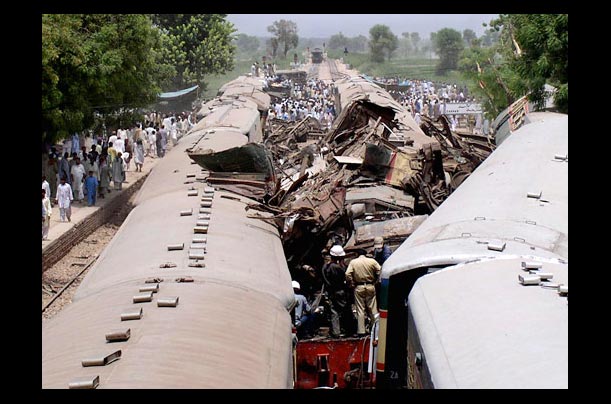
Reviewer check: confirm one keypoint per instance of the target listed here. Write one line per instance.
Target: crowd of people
(85, 165)
(340, 294)
(315, 99)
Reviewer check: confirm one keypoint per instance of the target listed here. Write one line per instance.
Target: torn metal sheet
(348, 160)
(391, 166)
(388, 196)
(392, 230)
(250, 158)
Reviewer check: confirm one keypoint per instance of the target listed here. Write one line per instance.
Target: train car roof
(231, 328)
(492, 204)
(480, 328)
(358, 88)
(241, 118)
(262, 99)
(221, 335)
(253, 81)
(240, 250)
(233, 100)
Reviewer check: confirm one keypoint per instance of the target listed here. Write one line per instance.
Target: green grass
(413, 68)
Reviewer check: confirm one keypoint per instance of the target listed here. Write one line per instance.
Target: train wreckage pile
(374, 173)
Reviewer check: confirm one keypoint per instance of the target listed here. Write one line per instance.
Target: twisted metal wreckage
(373, 173)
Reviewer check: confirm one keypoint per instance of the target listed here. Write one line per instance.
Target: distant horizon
(351, 25)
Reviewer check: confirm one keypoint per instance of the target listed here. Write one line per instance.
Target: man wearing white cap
(302, 311)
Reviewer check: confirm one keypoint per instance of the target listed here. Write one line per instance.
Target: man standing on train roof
(334, 275)
(362, 275)
(381, 252)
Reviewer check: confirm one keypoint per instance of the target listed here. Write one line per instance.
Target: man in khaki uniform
(362, 275)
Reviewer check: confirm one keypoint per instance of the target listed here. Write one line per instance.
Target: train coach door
(392, 367)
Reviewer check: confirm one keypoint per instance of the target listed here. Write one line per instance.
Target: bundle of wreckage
(462, 152)
(375, 173)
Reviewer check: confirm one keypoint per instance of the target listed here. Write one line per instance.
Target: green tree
(490, 37)
(247, 44)
(284, 32)
(338, 42)
(469, 36)
(382, 42)
(531, 50)
(97, 63)
(448, 45)
(536, 47)
(196, 45)
(493, 79)
(405, 44)
(358, 44)
(415, 37)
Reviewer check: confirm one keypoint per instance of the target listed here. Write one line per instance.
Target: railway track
(335, 73)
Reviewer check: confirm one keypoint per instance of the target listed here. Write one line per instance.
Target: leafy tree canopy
(382, 42)
(448, 45)
(196, 45)
(96, 63)
(531, 51)
(285, 32)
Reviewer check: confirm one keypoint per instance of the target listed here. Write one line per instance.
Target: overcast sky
(325, 25)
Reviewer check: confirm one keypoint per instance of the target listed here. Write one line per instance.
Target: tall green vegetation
(109, 64)
(448, 44)
(382, 43)
(531, 51)
(285, 33)
(196, 45)
(96, 62)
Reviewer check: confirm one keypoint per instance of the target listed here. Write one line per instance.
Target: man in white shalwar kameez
(78, 173)
(48, 211)
(64, 197)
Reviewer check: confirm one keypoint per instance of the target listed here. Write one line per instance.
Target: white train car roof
(236, 101)
(231, 328)
(492, 206)
(244, 81)
(240, 118)
(478, 327)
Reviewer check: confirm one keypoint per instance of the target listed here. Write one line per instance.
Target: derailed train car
(455, 308)
(190, 293)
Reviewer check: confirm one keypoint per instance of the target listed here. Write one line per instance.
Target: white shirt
(47, 188)
(64, 195)
(78, 171)
(112, 139)
(119, 145)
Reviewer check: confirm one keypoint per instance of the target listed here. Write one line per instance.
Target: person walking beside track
(46, 219)
(64, 198)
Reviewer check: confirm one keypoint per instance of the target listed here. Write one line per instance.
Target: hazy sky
(325, 25)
